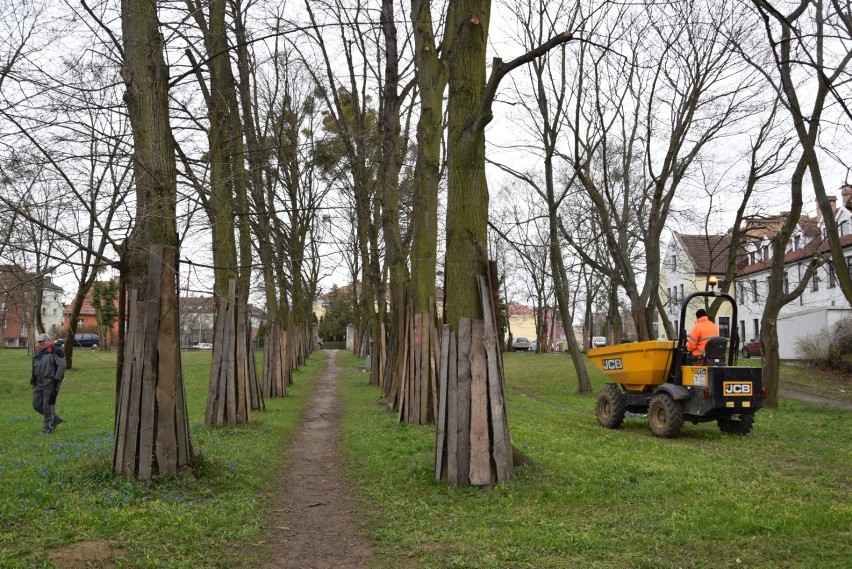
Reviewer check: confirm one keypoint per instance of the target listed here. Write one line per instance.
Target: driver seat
(715, 351)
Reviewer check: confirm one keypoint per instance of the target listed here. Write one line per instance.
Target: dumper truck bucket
(637, 366)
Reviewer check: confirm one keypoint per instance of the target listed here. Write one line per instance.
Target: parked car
(534, 346)
(520, 344)
(598, 341)
(203, 346)
(752, 348)
(82, 340)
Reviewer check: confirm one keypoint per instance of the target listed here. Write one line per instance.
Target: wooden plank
(410, 403)
(434, 358)
(502, 444)
(122, 420)
(184, 441)
(424, 367)
(147, 408)
(463, 395)
(242, 365)
(229, 347)
(480, 456)
(452, 414)
(441, 414)
(213, 392)
(434, 353)
(417, 339)
(382, 359)
(168, 364)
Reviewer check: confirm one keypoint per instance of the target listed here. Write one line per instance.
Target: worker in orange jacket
(703, 330)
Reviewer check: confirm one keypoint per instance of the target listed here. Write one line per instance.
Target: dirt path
(799, 396)
(313, 527)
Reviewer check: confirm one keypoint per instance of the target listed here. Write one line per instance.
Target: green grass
(59, 490)
(607, 499)
(596, 498)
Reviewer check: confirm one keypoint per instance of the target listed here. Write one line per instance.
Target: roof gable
(708, 253)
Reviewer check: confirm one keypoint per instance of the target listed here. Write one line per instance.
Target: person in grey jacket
(48, 371)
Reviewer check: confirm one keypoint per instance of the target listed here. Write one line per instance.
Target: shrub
(828, 349)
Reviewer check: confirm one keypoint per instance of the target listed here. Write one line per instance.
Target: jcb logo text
(741, 389)
(613, 364)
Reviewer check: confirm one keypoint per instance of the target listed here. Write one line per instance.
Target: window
(681, 292)
(815, 282)
(843, 228)
(751, 259)
(4, 307)
(741, 292)
(796, 240)
(832, 276)
(742, 330)
(765, 252)
(725, 326)
(674, 263)
(786, 283)
(4, 323)
(754, 291)
(756, 327)
(677, 329)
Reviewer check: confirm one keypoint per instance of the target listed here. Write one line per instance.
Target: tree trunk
(152, 431)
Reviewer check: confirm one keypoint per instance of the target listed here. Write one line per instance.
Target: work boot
(49, 419)
(57, 420)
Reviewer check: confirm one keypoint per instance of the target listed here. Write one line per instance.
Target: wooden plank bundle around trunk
(230, 394)
(413, 393)
(473, 445)
(276, 364)
(151, 426)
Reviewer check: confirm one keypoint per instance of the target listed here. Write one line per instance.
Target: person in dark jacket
(48, 371)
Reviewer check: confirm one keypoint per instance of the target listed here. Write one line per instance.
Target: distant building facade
(18, 291)
(690, 259)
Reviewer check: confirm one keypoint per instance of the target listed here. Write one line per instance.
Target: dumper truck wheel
(665, 416)
(610, 408)
(732, 426)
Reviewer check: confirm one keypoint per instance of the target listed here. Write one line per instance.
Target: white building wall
(52, 309)
(803, 324)
(812, 312)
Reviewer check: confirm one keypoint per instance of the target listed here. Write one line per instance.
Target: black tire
(665, 416)
(610, 408)
(731, 426)
(746, 353)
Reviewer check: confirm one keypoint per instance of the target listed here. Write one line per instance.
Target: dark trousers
(44, 401)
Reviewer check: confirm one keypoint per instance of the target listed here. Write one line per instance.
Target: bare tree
(352, 122)
(812, 52)
(642, 119)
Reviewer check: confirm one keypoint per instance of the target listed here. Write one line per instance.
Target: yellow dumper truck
(661, 379)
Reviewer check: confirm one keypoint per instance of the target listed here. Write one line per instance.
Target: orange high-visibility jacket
(703, 330)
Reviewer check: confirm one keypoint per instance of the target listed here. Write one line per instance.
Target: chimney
(832, 200)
